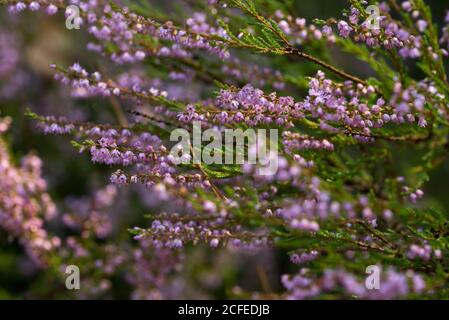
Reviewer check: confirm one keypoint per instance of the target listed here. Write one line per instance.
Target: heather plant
(354, 153)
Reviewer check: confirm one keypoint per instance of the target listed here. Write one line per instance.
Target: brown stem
(375, 233)
(335, 70)
(200, 167)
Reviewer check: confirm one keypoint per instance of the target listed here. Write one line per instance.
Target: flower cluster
(301, 33)
(252, 73)
(247, 105)
(295, 141)
(381, 32)
(409, 103)
(121, 28)
(304, 257)
(169, 234)
(50, 7)
(11, 74)
(394, 285)
(353, 156)
(25, 204)
(425, 252)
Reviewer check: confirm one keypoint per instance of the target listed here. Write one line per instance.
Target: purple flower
(34, 6)
(51, 9)
(344, 29)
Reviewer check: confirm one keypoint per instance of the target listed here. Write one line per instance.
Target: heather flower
(344, 29)
(393, 285)
(303, 257)
(25, 204)
(300, 33)
(13, 77)
(353, 155)
(51, 9)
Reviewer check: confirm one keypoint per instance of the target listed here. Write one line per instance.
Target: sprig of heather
(295, 141)
(337, 107)
(247, 105)
(425, 252)
(87, 84)
(120, 26)
(328, 195)
(215, 233)
(51, 7)
(444, 40)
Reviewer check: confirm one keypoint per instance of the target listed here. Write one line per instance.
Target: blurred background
(29, 42)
